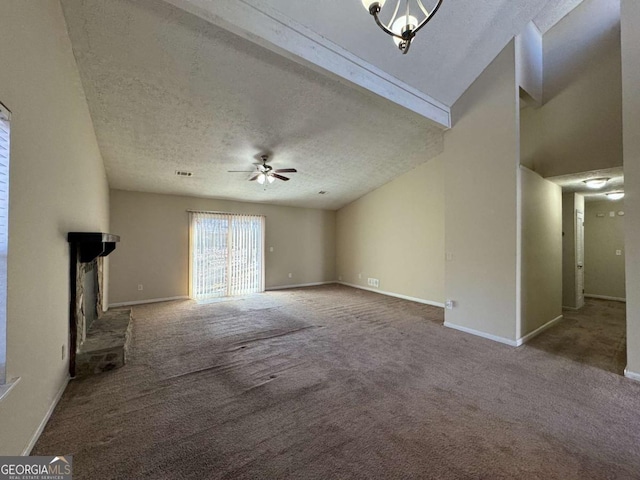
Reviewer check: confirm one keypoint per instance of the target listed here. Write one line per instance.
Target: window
(5, 117)
(227, 254)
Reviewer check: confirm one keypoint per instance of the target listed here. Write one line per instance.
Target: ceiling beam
(269, 28)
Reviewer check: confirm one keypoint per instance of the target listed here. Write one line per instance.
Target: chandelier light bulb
(403, 23)
(368, 3)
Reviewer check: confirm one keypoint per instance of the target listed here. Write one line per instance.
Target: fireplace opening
(90, 294)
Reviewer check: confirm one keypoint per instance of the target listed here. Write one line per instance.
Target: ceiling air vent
(182, 173)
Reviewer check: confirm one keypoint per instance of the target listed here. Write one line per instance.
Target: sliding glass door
(227, 254)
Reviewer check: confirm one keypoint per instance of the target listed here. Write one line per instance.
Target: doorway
(226, 255)
(579, 259)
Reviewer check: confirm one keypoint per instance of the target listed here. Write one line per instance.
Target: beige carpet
(333, 382)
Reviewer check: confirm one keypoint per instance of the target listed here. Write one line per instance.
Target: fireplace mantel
(91, 245)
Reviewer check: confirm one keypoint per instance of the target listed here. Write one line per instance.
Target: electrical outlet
(291, 275)
(449, 256)
(618, 252)
(339, 278)
(449, 304)
(373, 282)
(140, 287)
(359, 275)
(271, 249)
(64, 352)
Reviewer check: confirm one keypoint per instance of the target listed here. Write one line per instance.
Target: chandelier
(403, 25)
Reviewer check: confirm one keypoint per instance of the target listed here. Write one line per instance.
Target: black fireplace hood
(91, 245)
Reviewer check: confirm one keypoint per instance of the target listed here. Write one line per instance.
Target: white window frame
(242, 238)
(5, 132)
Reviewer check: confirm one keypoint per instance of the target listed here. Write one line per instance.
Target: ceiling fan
(265, 172)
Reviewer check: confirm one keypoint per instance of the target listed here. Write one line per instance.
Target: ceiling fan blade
(255, 177)
(280, 177)
(286, 170)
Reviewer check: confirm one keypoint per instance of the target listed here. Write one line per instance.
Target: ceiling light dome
(403, 24)
(596, 182)
(615, 195)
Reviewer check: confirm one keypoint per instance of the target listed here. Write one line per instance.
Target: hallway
(595, 336)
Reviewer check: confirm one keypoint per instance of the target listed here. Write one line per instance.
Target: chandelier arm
(426, 20)
(424, 10)
(383, 26)
(394, 16)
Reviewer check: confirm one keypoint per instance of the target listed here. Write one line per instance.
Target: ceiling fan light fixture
(404, 23)
(271, 178)
(615, 195)
(261, 178)
(596, 182)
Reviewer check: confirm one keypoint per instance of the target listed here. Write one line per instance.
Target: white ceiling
(553, 12)
(446, 56)
(168, 91)
(574, 183)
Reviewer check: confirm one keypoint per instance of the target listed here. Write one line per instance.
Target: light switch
(271, 249)
(612, 214)
(618, 252)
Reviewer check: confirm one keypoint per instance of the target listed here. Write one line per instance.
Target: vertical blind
(227, 254)
(4, 181)
(4, 233)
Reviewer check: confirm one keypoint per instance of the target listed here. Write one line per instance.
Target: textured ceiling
(574, 183)
(168, 91)
(446, 56)
(553, 12)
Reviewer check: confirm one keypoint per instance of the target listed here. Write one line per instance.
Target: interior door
(579, 259)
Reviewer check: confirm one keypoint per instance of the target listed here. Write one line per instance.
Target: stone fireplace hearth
(97, 340)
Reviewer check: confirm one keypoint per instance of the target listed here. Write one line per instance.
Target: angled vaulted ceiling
(447, 56)
(168, 91)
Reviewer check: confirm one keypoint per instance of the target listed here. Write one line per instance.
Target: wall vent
(182, 173)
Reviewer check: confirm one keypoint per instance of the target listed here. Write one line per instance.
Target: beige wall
(571, 203)
(541, 251)
(154, 247)
(58, 185)
(579, 128)
(396, 234)
(481, 161)
(603, 269)
(631, 110)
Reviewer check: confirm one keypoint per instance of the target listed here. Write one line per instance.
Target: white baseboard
(300, 285)
(632, 375)
(605, 297)
(396, 295)
(5, 388)
(39, 430)
(478, 333)
(143, 302)
(538, 331)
